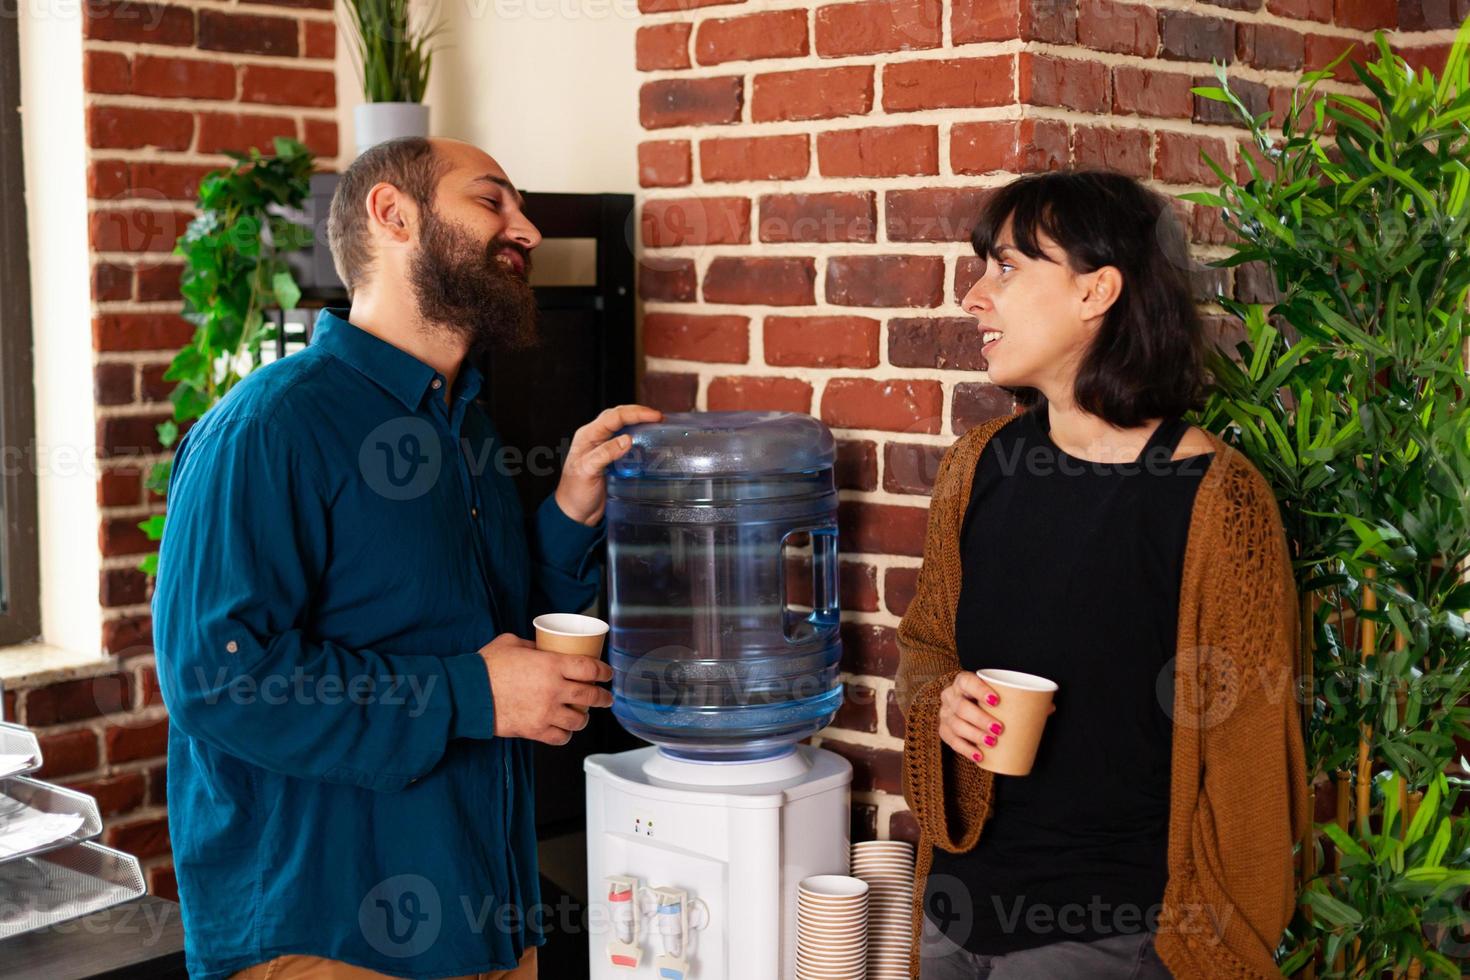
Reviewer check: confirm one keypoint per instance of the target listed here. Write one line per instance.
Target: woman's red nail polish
(995, 727)
(989, 739)
(991, 699)
(976, 757)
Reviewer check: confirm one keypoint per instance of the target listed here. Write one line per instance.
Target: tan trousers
(295, 967)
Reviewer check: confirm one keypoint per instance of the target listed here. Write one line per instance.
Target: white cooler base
(736, 851)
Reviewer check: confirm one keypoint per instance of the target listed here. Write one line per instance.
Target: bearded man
(343, 590)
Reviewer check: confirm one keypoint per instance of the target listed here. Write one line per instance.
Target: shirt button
(438, 383)
(232, 646)
(474, 512)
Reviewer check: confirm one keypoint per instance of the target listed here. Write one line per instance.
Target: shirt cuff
(469, 694)
(565, 542)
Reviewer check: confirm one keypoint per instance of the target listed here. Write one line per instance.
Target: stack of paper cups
(888, 868)
(831, 928)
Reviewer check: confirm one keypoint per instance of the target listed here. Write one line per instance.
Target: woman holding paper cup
(1097, 669)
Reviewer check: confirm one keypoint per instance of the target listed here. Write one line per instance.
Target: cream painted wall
(54, 147)
(547, 87)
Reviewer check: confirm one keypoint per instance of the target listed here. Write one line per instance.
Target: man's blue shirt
(339, 545)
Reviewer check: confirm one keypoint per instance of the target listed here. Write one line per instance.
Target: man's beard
(461, 287)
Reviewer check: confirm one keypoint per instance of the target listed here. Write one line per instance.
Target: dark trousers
(1122, 957)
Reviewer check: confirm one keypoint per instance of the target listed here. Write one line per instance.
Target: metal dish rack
(17, 740)
(60, 879)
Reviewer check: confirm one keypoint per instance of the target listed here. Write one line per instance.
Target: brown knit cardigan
(1239, 787)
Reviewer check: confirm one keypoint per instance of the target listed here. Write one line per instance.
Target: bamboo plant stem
(1307, 867)
(1416, 968)
(1368, 631)
(1369, 648)
(1344, 819)
(1402, 696)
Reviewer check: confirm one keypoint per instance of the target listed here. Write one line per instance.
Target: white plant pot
(375, 122)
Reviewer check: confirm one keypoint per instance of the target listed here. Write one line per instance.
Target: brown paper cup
(1024, 703)
(570, 633)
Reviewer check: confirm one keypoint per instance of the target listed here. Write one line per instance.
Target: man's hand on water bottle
(582, 492)
(542, 695)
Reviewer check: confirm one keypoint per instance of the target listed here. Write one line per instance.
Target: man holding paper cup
(344, 593)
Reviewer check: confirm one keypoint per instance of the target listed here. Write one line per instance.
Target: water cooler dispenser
(724, 663)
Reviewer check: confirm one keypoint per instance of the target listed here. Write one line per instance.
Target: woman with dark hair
(1097, 539)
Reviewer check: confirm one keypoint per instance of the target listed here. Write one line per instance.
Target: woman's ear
(1101, 290)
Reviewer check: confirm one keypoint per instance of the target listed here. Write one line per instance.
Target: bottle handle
(826, 611)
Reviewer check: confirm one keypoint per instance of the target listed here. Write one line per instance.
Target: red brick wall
(168, 88)
(809, 175)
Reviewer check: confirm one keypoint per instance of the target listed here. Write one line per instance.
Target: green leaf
(186, 365)
(1335, 911)
(1345, 842)
(287, 293)
(1441, 881)
(1438, 846)
(1298, 959)
(168, 431)
(1458, 599)
(157, 479)
(1455, 62)
(153, 527)
(1358, 105)
(1206, 198)
(189, 402)
(1213, 93)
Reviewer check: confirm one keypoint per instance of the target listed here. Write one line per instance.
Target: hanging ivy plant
(234, 271)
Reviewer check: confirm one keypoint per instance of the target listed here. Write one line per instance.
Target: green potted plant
(1349, 392)
(393, 49)
(234, 271)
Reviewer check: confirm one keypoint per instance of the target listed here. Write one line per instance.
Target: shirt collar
(392, 368)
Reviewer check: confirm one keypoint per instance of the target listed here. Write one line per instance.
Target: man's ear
(391, 214)
(1102, 289)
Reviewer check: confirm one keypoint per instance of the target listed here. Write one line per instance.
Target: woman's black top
(1071, 570)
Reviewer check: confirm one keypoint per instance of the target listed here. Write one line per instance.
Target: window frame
(20, 592)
